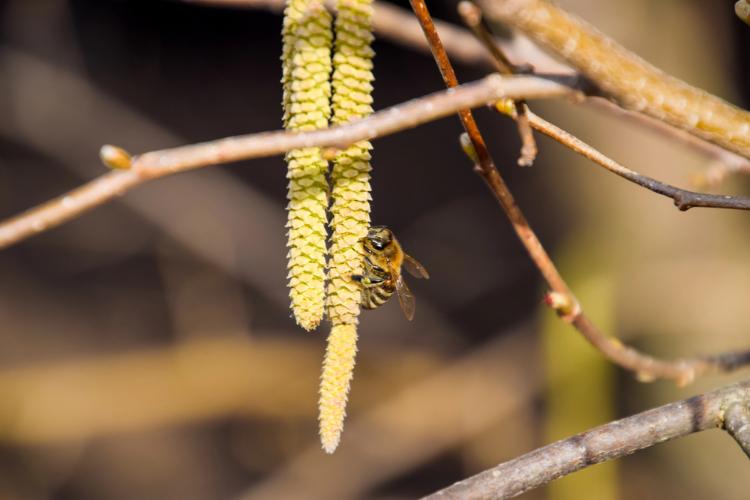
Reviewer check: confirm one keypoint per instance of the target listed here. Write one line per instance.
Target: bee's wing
(405, 298)
(415, 268)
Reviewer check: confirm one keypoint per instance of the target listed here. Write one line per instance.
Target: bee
(382, 273)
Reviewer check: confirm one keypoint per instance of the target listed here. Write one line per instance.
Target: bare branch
(472, 17)
(683, 199)
(399, 25)
(170, 161)
(609, 441)
(646, 367)
(634, 83)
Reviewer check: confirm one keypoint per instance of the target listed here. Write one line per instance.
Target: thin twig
(170, 161)
(485, 165)
(683, 199)
(472, 17)
(622, 75)
(646, 367)
(609, 441)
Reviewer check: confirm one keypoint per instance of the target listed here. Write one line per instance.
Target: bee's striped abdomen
(376, 296)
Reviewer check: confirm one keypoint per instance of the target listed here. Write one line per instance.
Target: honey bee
(382, 273)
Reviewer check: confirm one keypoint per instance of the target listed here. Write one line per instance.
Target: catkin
(306, 70)
(350, 180)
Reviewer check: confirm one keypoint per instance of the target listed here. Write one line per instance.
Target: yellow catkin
(338, 368)
(306, 61)
(350, 180)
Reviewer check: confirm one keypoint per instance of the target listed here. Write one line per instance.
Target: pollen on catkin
(338, 368)
(350, 181)
(306, 62)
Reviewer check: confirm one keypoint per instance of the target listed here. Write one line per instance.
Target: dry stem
(170, 161)
(472, 17)
(609, 441)
(683, 199)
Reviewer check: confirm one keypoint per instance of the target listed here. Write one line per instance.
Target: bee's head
(379, 237)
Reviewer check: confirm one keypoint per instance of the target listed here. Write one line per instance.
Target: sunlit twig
(165, 162)
(683, 199)
(472, 17)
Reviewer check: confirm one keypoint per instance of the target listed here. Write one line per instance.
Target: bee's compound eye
(377, 244)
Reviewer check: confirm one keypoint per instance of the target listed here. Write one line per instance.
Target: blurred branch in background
(625, 77)
(58, 130)
(398, 25)
(195, 380)
(612, 440)
(683, 199)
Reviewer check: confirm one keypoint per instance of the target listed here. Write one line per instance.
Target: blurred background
(146, 348)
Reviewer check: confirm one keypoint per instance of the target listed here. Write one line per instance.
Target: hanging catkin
(306, 61)
(350, 181)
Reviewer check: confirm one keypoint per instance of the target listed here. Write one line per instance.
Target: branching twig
(634, 83)
(609, 441)
(170, 161)
(646, 367)
(683, 199)
(472, 16)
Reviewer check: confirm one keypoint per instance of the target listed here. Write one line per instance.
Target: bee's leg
(367, 281)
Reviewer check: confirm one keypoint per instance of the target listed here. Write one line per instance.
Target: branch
(683, 199)
(399, 26)
(472, 17)
(526, 120)
(622, 75)
(613, 440)
(165, 162)
(561, 298)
